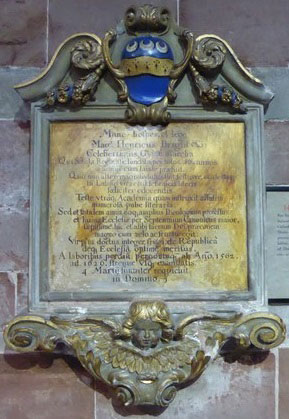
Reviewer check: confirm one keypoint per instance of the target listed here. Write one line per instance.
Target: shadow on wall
(29, 361)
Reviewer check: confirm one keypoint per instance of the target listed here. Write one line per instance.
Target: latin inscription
(147, 209)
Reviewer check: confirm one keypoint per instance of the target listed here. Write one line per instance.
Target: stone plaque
(277, 240)
(147, 188)
(146, 209)
(146, 175)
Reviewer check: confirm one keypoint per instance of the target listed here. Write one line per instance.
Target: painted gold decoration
(86, 55)
(194, 175)
(135, 67)
(146, 70)
(149, 354)
(194, 229)
(209, 53)
(143, 115)
(153, 112)
(147, 18)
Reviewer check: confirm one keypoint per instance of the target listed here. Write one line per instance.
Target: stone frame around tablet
(147, 346)
(102, 303)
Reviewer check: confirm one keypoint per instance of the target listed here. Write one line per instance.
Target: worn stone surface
(43, 386)
(7, 298)
(231, 391)
(23, 32)
(257, 31)
(14, 180)
(22, 293)
(14, 195)
(277, 152)
(2, 344)
(67, 17)
(282, 311)
(277, 79)
(14, 249)
(283, 383)
(11, 104)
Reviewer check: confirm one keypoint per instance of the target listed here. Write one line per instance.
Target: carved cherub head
(148, 323)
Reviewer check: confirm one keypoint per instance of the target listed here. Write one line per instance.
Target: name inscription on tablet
(147, 208)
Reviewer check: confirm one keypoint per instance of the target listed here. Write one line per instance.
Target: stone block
(283, 383)
(277, 79)
(11, 104)
(14, 180)
(14, 226)
(232, 391)
(43, 386)
(23, 26)
(22, 293)
(7, 298)
(14, 195)
(277, 152)
(257, 31)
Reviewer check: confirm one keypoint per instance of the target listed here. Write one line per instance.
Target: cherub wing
(169, 357)
(190, 325)
(90, 337)
(89, 323)
(209, 329)
(96, 341)
(212, 53)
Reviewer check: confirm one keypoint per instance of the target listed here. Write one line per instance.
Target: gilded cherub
(148, 324)
(146, 355)
(146, 342)
(149, 354)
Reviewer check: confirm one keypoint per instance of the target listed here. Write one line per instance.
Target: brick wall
(42, 386)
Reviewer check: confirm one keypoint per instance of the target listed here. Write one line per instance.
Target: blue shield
(147, 62)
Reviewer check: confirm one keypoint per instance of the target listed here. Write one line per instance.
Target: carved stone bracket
(148, 355)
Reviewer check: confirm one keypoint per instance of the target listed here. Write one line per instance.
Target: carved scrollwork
(180, 67)
(213, 95)
(261, 330)
(166, 395)
(140, 114)
(87, 54)
(145, 68)
(125, 395)
(30, 333)
(148, 355)
(147, 18)
(109, 37)
(209, 53)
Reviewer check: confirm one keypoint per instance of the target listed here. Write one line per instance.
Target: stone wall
(41, 386)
